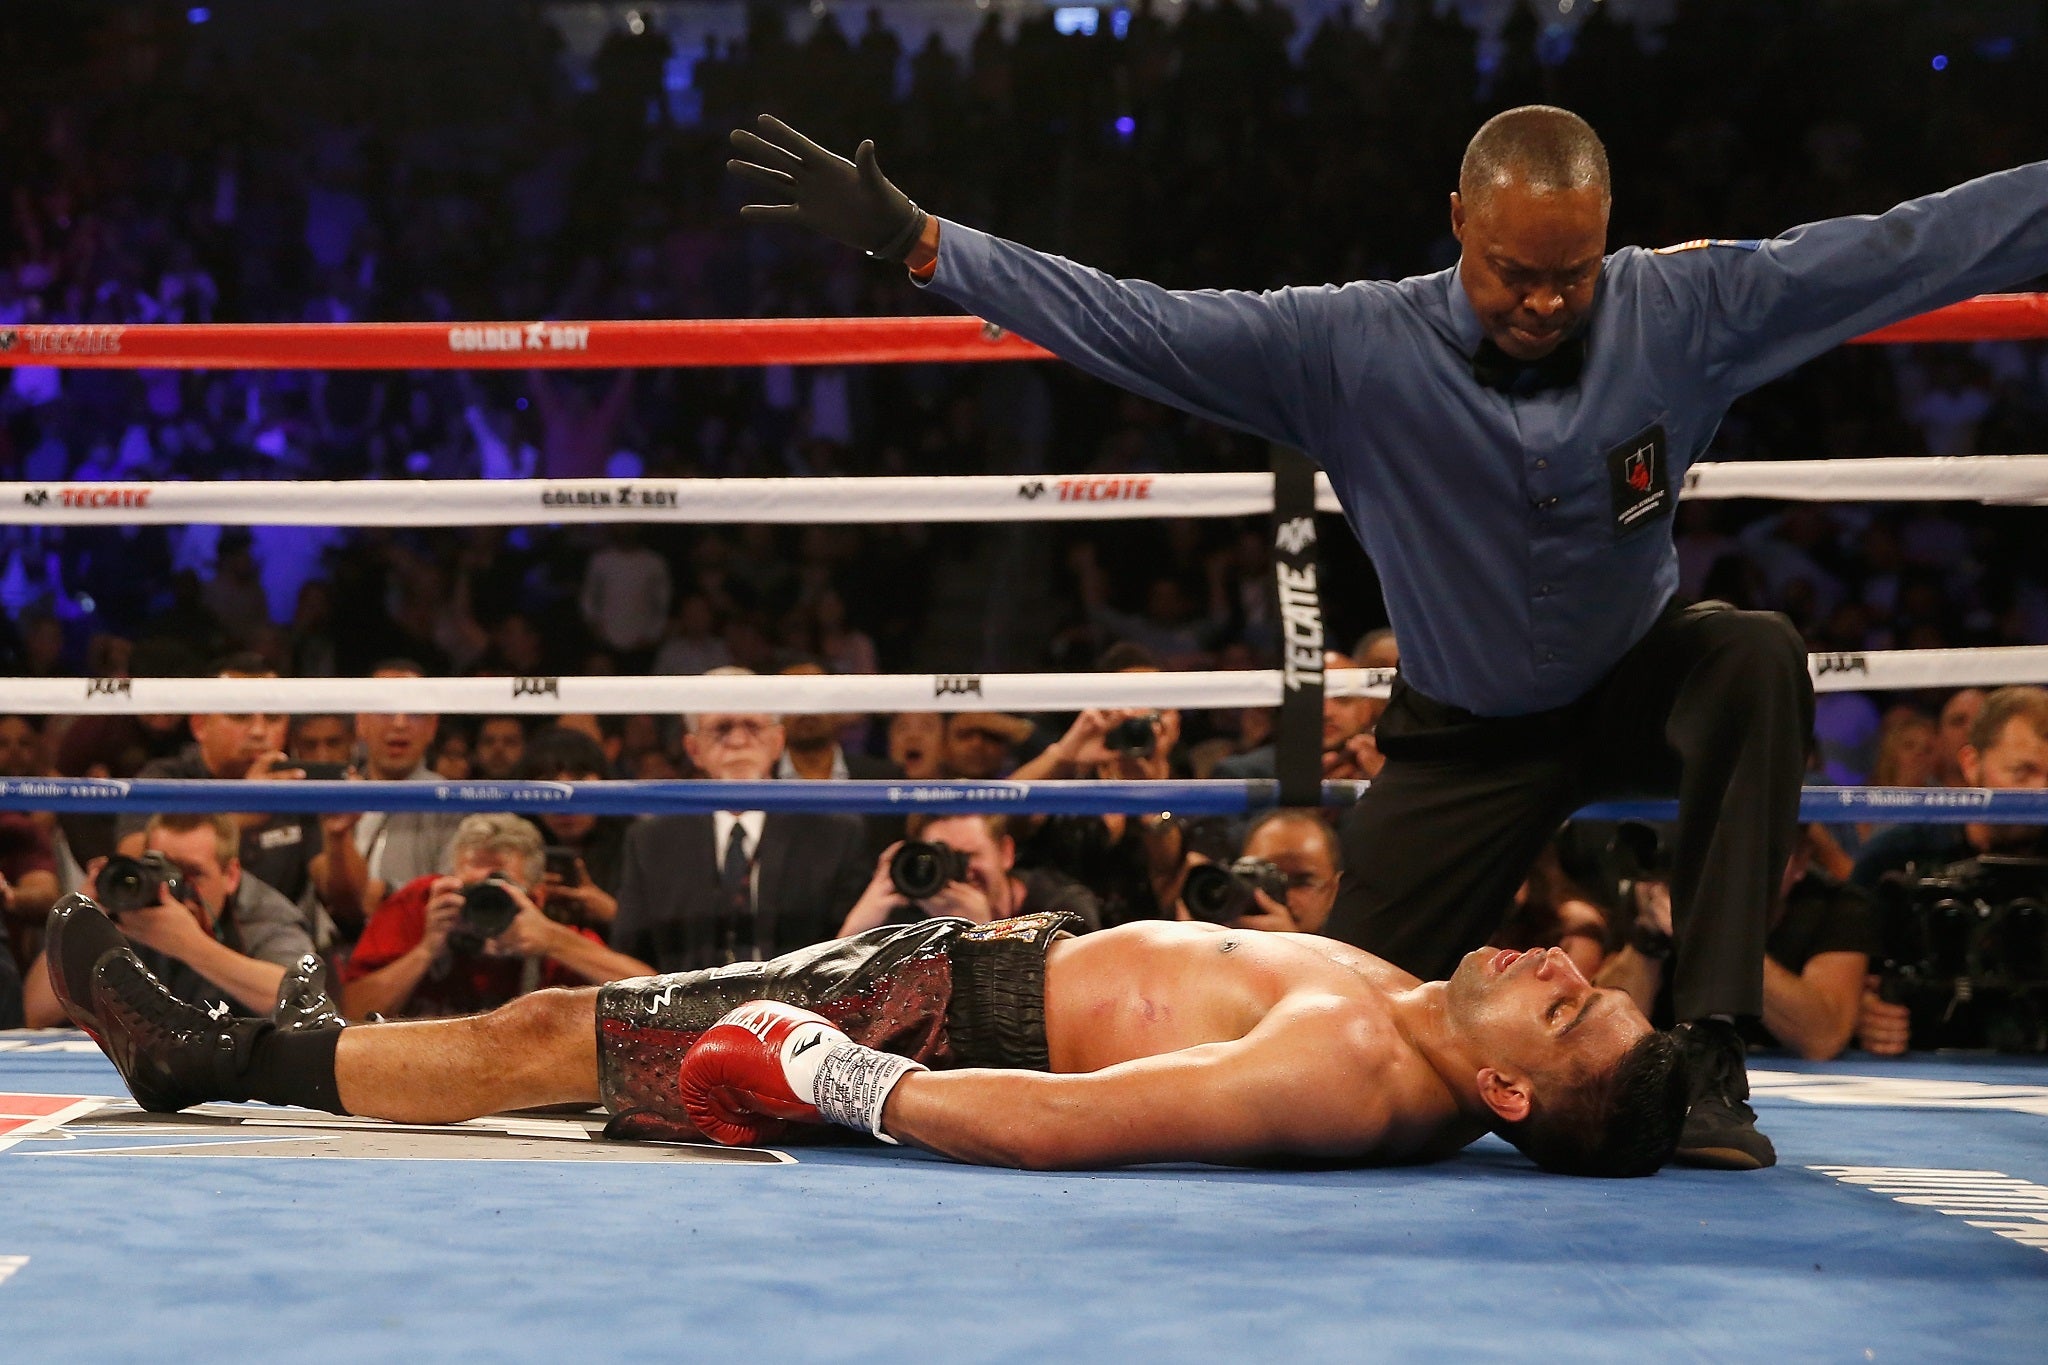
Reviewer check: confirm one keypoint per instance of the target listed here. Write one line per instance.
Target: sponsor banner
(2015, 479)
(529, 502)
(1298, 737)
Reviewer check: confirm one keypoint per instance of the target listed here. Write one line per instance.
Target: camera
(1966, 950)
(1220, 894)
(920, 870)
(1137, 735)
(488, 910)
(127, 884)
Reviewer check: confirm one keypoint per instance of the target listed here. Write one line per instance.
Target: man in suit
(736, 886)
(811, 750)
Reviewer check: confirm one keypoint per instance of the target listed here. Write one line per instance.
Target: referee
(1508, 438)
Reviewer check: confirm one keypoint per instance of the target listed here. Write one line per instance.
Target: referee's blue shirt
(1505, 529)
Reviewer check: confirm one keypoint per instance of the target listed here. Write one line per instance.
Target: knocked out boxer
(1011, 1043)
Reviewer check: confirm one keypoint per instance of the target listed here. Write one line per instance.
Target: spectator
(227, 945)
(979, 745)
(28, 859)
(2007, 750)
(736, 886)
(417, 959)
(324, 739)
(1814, 965)
(625, 598)
(1958, 717)
(399, 847)
(1907, 756)
(1348, 748)
(1135, 864)
(585, 853)
(284, 852)
(813, 752)
(917, 744)
(499, 749)
(693, 645)
(454, 752)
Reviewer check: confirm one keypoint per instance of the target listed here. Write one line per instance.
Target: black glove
(847, 200)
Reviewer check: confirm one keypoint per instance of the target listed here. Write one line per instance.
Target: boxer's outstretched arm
(1310, 1081)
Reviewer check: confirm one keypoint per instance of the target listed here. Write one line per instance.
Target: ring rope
(832, 694)
(1199, 797)
(720, 342)
(2008, 479)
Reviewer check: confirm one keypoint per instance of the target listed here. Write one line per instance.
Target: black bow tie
(1496, 369)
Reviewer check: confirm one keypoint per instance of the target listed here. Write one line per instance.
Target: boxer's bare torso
(1193, 1042)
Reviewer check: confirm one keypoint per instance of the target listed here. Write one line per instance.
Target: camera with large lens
(1221, 893)
(1136, 735)
(920, 870)
(1965, 948)
(127, 884)
(488, 910)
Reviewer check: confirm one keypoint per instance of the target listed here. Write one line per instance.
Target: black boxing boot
(173, 1055)
(305, 998)
(77, 935)
(1720, 1128)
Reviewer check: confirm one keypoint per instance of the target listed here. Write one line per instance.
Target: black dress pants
(1713, 705)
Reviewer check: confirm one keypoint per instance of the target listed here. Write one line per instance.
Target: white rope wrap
(2019, 479)
(833, 694)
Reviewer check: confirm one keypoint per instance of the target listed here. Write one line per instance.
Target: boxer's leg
(539, 1049)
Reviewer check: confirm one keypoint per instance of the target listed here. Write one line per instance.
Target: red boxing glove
(767, 1064)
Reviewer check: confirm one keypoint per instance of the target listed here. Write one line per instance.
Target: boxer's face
(1532, 1013)
(1530, 262)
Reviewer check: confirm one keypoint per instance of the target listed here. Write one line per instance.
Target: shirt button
(1549, 656)
(1543, 590)
(1543, 464)
(1545, 504)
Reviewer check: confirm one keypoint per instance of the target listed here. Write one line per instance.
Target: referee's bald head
(1538, 146)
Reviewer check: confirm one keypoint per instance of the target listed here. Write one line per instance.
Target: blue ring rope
(1827, 805)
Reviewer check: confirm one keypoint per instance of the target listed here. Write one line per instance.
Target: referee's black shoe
(1720, 1127)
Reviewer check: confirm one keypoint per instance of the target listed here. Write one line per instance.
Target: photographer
(1134, 863)
(1291, 849)
(964, 866)
(585, 853)
(2007, 751)
(474, 940)
(216, 936)
(1814, 964)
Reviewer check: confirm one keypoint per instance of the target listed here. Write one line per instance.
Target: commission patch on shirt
(1639, 477)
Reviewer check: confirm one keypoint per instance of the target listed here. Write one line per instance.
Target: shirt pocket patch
(1639, 480)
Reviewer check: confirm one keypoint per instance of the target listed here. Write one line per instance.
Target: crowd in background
(319, 163)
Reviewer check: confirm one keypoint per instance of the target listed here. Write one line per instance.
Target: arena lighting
(1941, 61)
(1075, 19)
(198, 14)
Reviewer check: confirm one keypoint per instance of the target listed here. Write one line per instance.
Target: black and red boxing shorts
(945, 992)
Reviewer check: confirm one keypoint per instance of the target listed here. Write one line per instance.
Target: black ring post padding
(1298, 750)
